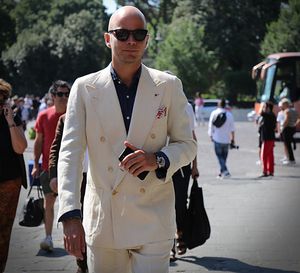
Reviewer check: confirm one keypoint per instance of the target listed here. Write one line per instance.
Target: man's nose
(130, 39)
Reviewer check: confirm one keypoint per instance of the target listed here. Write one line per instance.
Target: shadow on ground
(57, 252)
(228, 265)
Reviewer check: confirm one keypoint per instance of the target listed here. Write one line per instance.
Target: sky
(110, 6)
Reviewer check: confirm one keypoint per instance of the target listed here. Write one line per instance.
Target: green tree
(28, 13)
(283, 34)
(183, 52)
(78, 45)
(7, 31)
(60, 39)
(234, 30)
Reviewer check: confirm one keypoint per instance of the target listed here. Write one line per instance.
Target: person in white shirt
(280, 121)
(222, 136)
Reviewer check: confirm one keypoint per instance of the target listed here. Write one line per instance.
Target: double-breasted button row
(142, 190)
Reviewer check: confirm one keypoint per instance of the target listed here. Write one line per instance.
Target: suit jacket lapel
(147, 101)
(107, 108)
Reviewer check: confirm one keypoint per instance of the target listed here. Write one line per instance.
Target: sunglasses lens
(61, 94)
(122, 34)
(140, 34)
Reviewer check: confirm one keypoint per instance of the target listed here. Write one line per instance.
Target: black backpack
(220, 119)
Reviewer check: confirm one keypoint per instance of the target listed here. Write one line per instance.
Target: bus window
(284, 81)
(266, 95)
(279, 86)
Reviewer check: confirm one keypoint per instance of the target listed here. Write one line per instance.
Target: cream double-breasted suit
(122, 211)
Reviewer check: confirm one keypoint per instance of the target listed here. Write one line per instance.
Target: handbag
(197, 226)
(32, 214)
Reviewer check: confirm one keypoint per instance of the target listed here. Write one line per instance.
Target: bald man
(129, 215)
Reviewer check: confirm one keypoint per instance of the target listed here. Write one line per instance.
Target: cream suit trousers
(149, 258)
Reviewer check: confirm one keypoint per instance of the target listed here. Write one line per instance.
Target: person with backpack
(221, 131)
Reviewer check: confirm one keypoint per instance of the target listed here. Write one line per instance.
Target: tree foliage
(236, 28)
(183, 52)
(7, 30)
(55, 39)
(211, 45)
(283, 34)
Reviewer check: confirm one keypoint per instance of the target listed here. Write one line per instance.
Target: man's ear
(147, 42)
(107, 39)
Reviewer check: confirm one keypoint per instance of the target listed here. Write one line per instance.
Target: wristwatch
(160, 161)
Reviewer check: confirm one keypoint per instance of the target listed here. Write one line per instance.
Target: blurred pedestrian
(280, 121)
(12, 169)
(199, 103)
(45, 127)
(46, 102)
(126, 108)
(289, 129)
(222, 136)
(22, 112)
(35, 107)
(267, 135)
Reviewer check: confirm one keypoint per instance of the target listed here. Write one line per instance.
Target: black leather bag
(197, 226)
(32, 214)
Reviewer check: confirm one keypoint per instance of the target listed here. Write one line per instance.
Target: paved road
(255, 223)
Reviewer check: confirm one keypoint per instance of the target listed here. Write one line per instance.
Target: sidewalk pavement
(255, 222)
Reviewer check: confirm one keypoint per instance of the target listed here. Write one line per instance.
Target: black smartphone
(126, 152)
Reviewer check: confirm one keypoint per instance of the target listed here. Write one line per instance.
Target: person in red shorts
(45, 127)
(267, 136)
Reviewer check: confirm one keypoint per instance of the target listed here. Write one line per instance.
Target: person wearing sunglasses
(45, 127)
(124, 114)
(12, 168)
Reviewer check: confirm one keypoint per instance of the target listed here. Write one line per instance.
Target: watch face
(160, 161)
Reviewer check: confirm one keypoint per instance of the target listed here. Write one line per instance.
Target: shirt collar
(115, 76)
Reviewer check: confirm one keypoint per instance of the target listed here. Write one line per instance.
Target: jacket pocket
(93, 211)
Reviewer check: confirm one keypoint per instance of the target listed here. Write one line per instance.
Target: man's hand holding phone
(136, 161)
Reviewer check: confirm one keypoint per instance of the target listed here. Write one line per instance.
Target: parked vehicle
(278, 77)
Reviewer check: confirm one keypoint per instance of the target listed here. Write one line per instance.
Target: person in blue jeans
(222, 136)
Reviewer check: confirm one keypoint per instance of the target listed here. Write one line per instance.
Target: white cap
(285, 100)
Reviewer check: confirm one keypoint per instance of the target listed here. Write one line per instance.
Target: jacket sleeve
(71, 152)
(182, 148)
(54, 150)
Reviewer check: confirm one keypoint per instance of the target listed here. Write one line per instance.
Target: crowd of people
(28, 107)
(129, 223)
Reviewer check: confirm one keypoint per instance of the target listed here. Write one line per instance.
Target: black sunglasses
(61, 94)
(123, 34)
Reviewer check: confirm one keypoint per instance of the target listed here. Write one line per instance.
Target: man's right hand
(74, 237)
(35, 172)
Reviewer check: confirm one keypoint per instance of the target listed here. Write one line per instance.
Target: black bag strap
(195, 184)
(39, 191)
